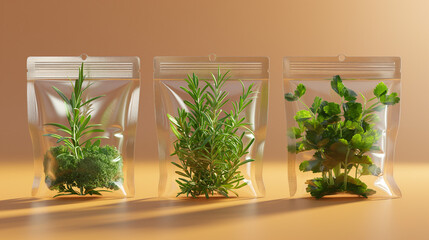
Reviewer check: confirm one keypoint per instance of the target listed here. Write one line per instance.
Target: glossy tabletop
(272, 217)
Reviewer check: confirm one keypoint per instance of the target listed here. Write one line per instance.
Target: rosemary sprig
(208, 145)
(79, 166)
(77, 118)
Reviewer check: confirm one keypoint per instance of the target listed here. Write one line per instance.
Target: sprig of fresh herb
(340, 135)
(101, 167)
(81, 166)
(208, 145)
(77, 118)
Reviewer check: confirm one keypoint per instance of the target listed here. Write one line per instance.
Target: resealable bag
(342, 118)
(207, 147)
(82, 116)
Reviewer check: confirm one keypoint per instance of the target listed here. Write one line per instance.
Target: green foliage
(332, 109)
(78, 117)
(302, 115)
(352, 111)
(80, 163)
(338, 86)
(380, 90)
(341, 136)
(101, 167)
(208, 145)
(290, 97)
(319, 187)
(391, 99)
(300, 90)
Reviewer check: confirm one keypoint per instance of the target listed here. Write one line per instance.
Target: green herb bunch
(341, 136)
(80, 165)
(208, 145)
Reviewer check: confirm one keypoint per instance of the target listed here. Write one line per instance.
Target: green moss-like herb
(341, 135)
(100, 168)
(208, 146)
(80, 166)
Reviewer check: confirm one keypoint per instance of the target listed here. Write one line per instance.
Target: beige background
(227, 28)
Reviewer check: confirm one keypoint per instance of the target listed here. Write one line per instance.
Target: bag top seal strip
(95, 67)
(244, 68)
(347, 67)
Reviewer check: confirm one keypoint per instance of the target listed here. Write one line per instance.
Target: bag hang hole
(341, 57)
(84, 56)
(212, 57)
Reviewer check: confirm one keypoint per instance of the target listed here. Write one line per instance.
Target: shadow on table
(26, 203)
(246, 210)
(153, 213)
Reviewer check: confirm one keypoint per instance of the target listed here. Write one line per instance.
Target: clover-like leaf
(302, 115)
(380, 90)
(391, 99)
(295, 132)
(337, 85)
(370, 169)
(356, 140)
(300, 90)
(316, 104)
(352, 110)
(290, 97)
(332, 109)
(349, 95)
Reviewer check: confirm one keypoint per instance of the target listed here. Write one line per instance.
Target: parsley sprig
(341, 136)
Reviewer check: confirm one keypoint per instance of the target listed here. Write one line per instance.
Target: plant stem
(371, 99)
(311, 112)
(337, 170)
(341, 129)
(345, 169)
(357, 167)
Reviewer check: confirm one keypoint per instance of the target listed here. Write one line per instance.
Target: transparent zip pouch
(82, 116)
(342, 118)
(211, 116)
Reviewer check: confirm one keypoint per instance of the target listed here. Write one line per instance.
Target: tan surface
(227, 28)
(272, 217)
(274, 28)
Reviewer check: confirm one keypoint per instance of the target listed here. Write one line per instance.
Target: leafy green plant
(341, 136)
(208, 145)
(80, 165)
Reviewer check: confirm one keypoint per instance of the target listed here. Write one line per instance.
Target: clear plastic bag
(200, 171)
(82, 116)
(344, 146)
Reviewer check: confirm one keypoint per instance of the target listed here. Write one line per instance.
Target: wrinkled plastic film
(116, 78)
(361, 74)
